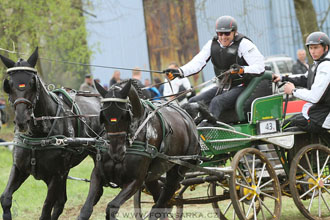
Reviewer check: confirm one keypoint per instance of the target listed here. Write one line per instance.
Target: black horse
(31, 100)
(130, 158)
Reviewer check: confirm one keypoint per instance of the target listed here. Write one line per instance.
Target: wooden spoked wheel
(255, 190)
(310, 181)
(224, 209)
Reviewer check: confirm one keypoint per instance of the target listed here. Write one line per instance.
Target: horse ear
(8, 62)
(100, 89)
(33, 58)
(101, 118)
(137, 108)
(6, 86)
(124, 91)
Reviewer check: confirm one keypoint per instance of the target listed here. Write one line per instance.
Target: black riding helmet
(225, 24)
(318, 38)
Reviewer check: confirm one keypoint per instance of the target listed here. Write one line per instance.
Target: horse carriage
(248, 161)
(260, 161)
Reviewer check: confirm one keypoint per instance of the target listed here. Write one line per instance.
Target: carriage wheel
(224, 210)
(254, 185)
(143, 202)
(310, 181)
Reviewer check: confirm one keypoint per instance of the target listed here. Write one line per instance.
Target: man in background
(178, 85)
(115, 78)
(88, 85)
(300, 67)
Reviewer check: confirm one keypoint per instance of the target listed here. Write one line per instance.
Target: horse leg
(15, 180)
(61, 200)
(154, 187)
(128, 190)
(173, 178)
(54, 190)
(94, 195)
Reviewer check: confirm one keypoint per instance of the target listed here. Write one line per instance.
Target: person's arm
(319, 87)
(198, 62)
(300, 80)
(252, 56)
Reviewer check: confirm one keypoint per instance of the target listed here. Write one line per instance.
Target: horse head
(22, 88)
(121, 107)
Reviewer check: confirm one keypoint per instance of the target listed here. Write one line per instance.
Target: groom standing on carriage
(315, 83)
(228, 50)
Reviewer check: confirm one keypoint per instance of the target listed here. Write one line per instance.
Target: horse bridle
(25, 101)
(115, 100)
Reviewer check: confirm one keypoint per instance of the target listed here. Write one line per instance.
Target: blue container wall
(271, 24)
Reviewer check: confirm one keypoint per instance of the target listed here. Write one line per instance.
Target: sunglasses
(224, 33)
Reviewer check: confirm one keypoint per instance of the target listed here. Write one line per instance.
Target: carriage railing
(217, 140)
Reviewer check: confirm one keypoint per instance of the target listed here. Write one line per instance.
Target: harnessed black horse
(37, 151)
(137, 135)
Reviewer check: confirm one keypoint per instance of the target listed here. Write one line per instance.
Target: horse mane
(134, 83)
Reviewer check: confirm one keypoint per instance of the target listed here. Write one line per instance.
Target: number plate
(268, 126)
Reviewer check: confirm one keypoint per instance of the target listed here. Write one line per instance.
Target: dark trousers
(301, 122)
(221, 102)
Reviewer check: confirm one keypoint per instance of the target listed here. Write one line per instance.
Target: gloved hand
(236, 69)
(173, 73)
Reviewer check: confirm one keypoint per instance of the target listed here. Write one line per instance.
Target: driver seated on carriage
(315, 115)
(228, 50)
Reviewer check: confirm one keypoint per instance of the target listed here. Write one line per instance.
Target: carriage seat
(258, 87)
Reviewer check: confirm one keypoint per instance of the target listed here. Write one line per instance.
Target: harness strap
(99, 166)
(75, 107)
(142, 149)
(33, 161)
(160, 116)
(59, 107)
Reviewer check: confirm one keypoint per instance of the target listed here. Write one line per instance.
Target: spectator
(88, 85)
(300, 67)
(115, 78)
(178, 85)
(159, 86)
(146, 82)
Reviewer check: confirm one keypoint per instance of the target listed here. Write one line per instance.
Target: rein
(42, 118)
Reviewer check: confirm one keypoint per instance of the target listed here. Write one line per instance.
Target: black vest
(223, 58)
(319, 111)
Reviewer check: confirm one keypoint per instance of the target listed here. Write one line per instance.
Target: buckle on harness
(33, 161)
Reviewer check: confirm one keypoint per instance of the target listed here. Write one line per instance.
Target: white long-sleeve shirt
(246, 49)
(176, 83)
(319, 87)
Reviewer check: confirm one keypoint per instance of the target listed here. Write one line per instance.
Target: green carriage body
(223, 141)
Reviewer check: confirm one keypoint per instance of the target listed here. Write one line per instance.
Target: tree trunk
(306, 16)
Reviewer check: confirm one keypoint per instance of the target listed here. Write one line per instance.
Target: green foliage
(57, 27)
